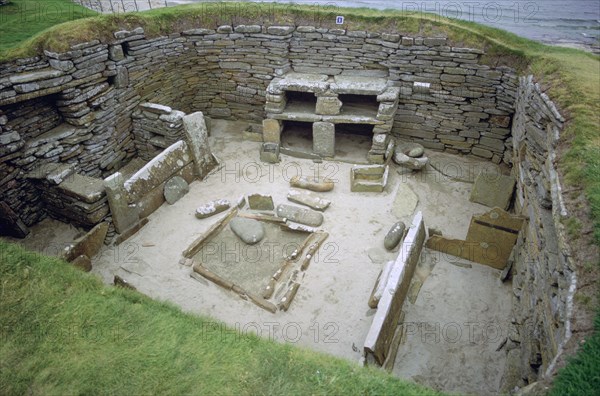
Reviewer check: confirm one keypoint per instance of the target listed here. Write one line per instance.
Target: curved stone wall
(76, 108)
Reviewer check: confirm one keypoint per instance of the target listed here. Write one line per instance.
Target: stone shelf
(339, 100)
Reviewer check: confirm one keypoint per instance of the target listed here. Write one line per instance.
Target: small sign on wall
(339, 20)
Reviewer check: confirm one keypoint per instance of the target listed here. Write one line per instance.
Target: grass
(581, 376)
(64, 332)
(22, 19)
(570, 76)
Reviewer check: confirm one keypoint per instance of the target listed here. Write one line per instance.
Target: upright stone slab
(324, 139)
(196, 134)
(123, 215)
(385, 321)
(175, 188)
(493, 190)
(272, 131)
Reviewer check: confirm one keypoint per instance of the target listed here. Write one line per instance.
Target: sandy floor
(330, 312)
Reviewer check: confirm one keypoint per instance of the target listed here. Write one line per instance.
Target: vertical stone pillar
(324, 139)
(123, 215)
(272, 131)
(196, 134)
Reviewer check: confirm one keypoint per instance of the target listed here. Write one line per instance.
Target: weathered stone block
(324, 139)
(272, 131)
(327, 105)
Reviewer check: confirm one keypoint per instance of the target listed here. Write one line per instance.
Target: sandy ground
(330, 312)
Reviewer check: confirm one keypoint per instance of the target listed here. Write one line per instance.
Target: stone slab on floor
(405, 202)
(309, 199)
(493, 190)
(300, 215)
(260, 202)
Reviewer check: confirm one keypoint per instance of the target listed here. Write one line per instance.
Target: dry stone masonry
(70, 119)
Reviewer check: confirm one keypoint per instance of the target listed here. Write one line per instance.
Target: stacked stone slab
(155, 128)
(329, 109)
(70, 197)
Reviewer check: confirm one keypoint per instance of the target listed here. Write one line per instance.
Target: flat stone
(156, 108)
(493, 190)
(212, 208)
(308, 199)
(300, 215)
(460, 168)
(260, 202)
(314, 184)
(248, 230)
(405, 202)
(303, 82)
(394, 235)
(358, 85)
(175, 188)
(35, 76)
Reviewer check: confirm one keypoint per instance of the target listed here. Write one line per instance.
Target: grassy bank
(63, 332)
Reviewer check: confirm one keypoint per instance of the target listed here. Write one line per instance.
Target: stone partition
(387, 317)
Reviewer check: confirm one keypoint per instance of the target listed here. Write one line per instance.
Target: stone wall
(155, 128)
(543, 274)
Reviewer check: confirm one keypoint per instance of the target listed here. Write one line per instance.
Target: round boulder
(394, 235)
(248, 230)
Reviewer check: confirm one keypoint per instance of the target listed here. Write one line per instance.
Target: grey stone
(308, 199)
(328, 105)
(7, 138)
(260, 202)
(175, 188)
(196, 133)
(493, 190)
(212, 208)
(156, 108)
(280, 30)
(407, 155)
(269, 153)
(35, 76)
(61, 65)
(123, 216)
(324, 139)
(300, 215)
(358, 85)
(248, 230)
(248, 29)
(394, 235)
